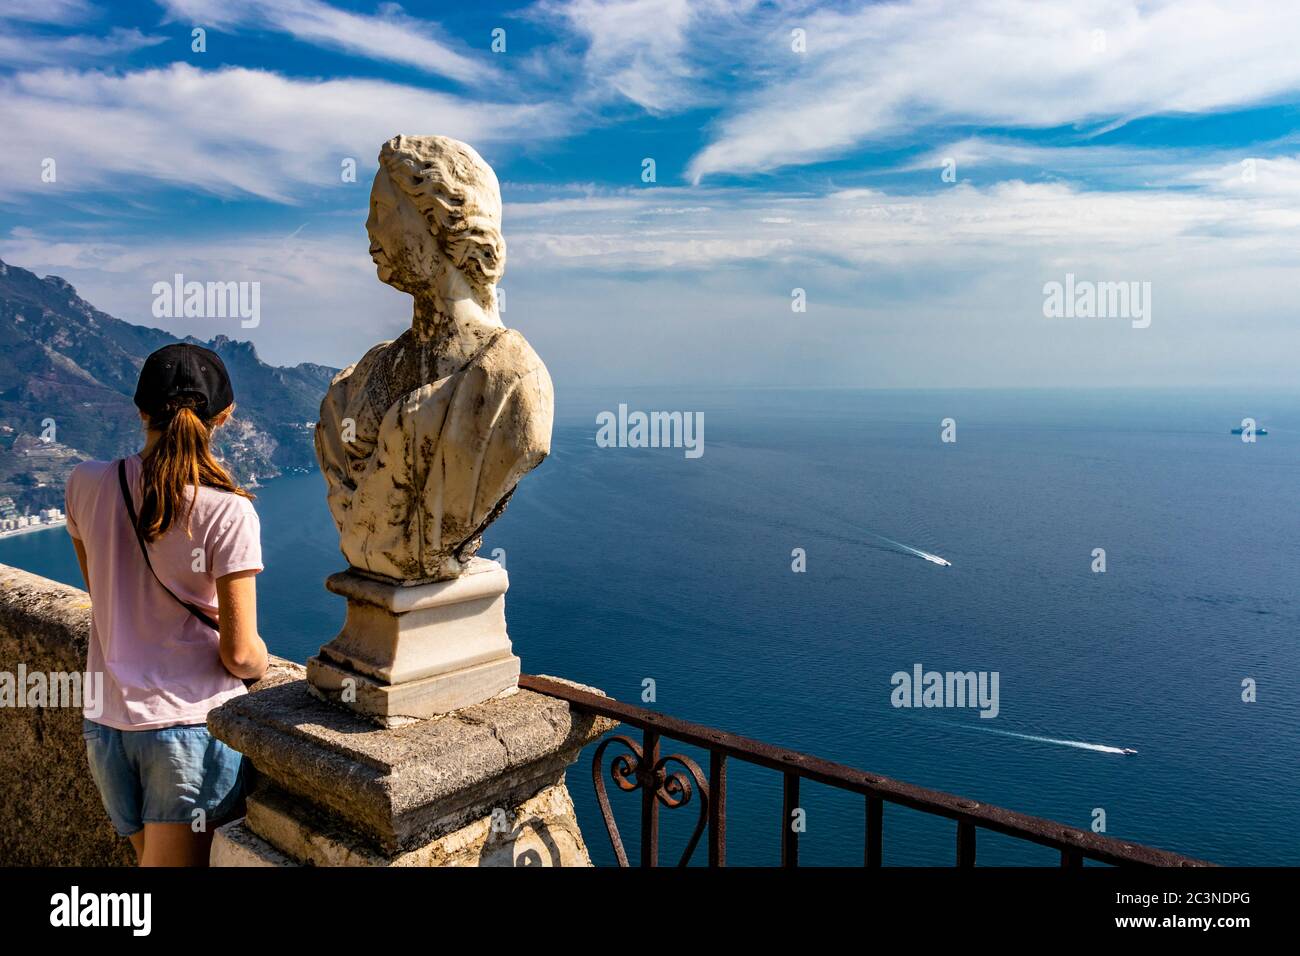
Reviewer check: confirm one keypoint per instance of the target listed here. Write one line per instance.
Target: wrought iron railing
(643, 767)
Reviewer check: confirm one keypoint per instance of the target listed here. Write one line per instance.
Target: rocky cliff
(67, 375)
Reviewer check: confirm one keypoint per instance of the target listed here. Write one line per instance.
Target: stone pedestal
(408, 652)
(482, 786)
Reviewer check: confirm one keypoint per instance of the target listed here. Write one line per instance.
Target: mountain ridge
(69, 373)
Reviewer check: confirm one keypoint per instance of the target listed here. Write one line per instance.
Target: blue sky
(1113, 140)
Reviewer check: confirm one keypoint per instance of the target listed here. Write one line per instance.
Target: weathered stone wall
(50, 811)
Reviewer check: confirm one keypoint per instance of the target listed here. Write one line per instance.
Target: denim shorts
(164, 776)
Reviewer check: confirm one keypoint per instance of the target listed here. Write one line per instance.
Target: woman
(169, 546)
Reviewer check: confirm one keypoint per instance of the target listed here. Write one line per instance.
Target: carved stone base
(482, 786)
(392, 705)
(280, 831)
(413, 652)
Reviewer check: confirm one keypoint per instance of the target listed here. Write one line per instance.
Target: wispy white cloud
(229, 131)
(27, 40)
(884, 71)
(995, 154)
(25, 49)
(935, 288)
(388, 35)
(699, 228)
(661, 55)
(942, 287)
(1277, 177)
(47, 11)
(1261, 172)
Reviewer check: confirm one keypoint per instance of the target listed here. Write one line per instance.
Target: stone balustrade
(482, 786)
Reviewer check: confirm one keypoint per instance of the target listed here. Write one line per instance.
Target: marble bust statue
(423, 441)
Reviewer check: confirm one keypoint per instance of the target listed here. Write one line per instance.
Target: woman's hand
(243, 652)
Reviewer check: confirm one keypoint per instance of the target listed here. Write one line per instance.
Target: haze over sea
(628, 564)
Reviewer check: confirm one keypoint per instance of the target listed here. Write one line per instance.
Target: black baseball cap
(184, 369)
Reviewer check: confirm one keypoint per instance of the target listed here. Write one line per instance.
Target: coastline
(45, 526)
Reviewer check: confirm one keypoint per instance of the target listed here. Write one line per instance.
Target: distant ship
(1241, 431)
(1128, 750)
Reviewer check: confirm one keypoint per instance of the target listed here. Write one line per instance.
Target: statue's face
(401, 242)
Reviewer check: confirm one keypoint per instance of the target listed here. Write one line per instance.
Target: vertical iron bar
(965, 843)
(875, 830)
(717, 808)
(789, 837)
(649, 799)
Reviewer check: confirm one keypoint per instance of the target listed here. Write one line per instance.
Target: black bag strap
(135, 526)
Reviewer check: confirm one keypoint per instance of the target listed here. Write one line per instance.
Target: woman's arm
(243, 652)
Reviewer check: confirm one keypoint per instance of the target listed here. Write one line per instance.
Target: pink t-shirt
(161, 665)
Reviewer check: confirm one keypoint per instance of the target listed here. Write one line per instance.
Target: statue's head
(435, 218)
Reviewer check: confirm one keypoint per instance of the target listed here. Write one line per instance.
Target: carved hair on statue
(457, 192)
(181, 458)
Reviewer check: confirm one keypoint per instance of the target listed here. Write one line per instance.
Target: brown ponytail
(181, 457)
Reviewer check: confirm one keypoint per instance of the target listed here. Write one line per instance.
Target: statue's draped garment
(429, 464)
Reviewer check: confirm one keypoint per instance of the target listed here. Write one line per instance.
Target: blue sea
(636, 565)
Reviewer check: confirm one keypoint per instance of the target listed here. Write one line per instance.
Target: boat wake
(1078, 744)
(908, 549)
